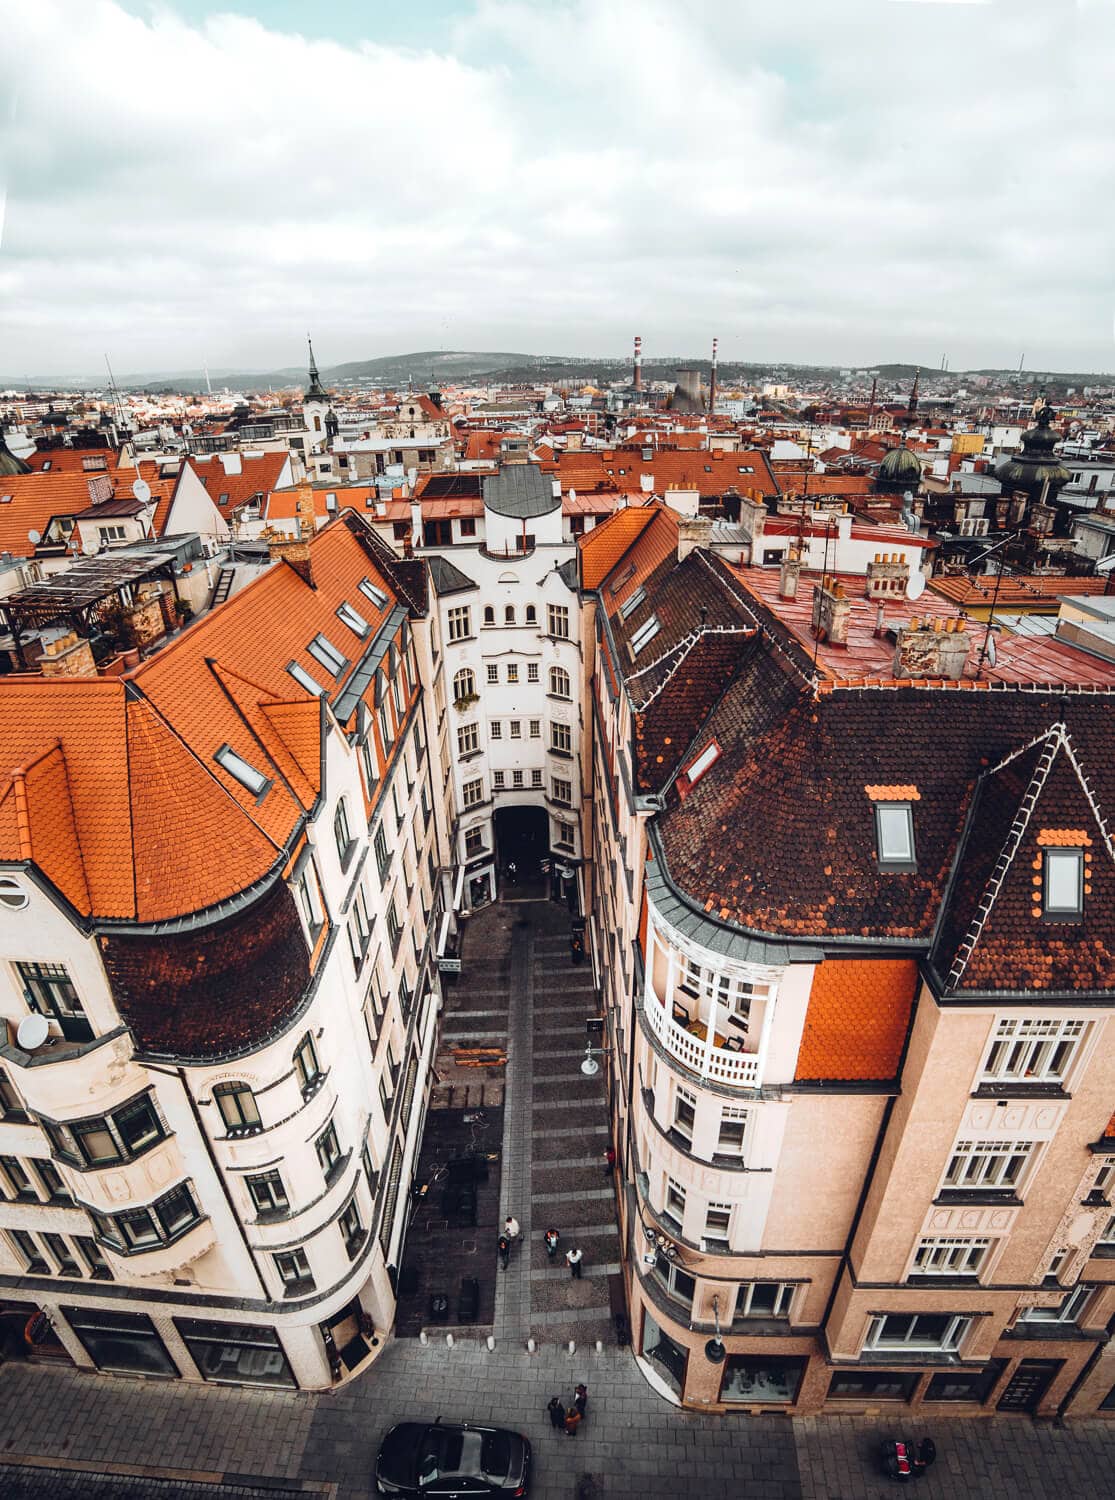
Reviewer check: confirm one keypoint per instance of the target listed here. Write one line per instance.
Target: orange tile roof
(1035, 590)
(855, 1026)
(606, 543)
(258, 475)
(35, 500)
(671, 468)
(69, 460)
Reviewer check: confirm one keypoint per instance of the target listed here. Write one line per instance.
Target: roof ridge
(282, 771)
(684, 647)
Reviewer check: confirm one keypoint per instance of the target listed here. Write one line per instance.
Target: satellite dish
(916, 586)
(141, 490)
(34, 538)
(32, 1032)
(992, 653)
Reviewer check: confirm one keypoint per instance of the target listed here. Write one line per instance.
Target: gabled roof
(601, 548)
(259, 474)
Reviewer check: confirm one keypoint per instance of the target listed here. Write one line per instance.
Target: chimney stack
(712, 380)
(638, 363)
(888, 573)
(788, 574)
(296, 549)
(831, 612)
(67, 655)
(931, 649)
(692, 532)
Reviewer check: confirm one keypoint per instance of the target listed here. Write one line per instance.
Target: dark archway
(522, 847)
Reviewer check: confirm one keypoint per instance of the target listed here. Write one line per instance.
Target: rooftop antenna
(712, 379)
(208, 382)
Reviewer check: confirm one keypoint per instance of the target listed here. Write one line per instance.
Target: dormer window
(708, 757)
(894, 835)
(355, 621)
(370, 591)
(239, 769)
(323, 650)
(629, 606)
(304, 680)
(644, 635)
(1063, 885)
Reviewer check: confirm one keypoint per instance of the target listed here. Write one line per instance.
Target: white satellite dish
(32, 1032)
(916, 586)
(34, 538)
(992, 650)
(141, 490)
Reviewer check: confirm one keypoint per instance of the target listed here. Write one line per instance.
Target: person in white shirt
(511, 1227)
(573, 1260)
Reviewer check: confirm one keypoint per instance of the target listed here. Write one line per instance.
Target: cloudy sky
(830, 180)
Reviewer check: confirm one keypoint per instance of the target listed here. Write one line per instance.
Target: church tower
(316, 409)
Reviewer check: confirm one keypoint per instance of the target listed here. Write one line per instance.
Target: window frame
(233, 1089)
(323, 651)
(1060, 859)
(903, 862)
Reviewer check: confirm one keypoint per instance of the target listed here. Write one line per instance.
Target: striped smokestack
(712, 379)
(638, 363)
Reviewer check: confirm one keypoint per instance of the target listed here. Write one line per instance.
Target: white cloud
(847, 182)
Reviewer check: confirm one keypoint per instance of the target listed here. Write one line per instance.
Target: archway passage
(522, 845)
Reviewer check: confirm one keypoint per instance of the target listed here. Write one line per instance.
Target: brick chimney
(296, 549)
(831, 612)
(67, 655)
(931, 648)
(888, 573)
(788, 574)
(693, 531)
(752, 518)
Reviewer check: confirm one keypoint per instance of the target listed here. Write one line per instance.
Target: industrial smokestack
(638, 363)
(712, 379)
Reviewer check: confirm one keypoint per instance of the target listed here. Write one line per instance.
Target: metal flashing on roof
(521, 492)
(359, 680)
(447, 577)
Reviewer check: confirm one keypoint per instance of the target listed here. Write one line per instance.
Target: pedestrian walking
(503, 1250)
(557, 1414)
(511, 1228)
(573, 1258)
(551, 1238)
(580, 1399)
(573, 1420)
(609, 1161)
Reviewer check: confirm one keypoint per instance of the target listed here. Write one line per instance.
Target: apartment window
(328, 1152)
(20, 1188)
(464, 684)
(517, 780)
(323, 651)
(563, 791)
(359, 929)
(722, 989)
(561, 739)
(368, 761)
(512, 672)
(733, 1131)
(306, 1066)
(370, 591)
(11, 1105)
(353, 619)
(394, 926)
(1106, 1241)
(532, 671)
(976, 1166)
(176, 1211)
(99, 1268)
(383, 857)
(489, 616)
(564, 837)
(509, 614)
(559, 682)
(1067, 1310)
(685, 1113)
(352, 1230)
(468, 739)
(468, 526)
(495, 730)
(493, 671)
(950, 1257)
(894, 835)
(557, 620)
(47, 988)
(644, 635)
(718, 1227)
(673, 1206)
(268, 1194)
(27, 1245)
(460, 622)
(1063, 887)
(386, 729)
(516, 728)
(1033, 1050)
(309, 899)
(536, 778)
(51, 1179)
(536, 729)
(238, 1108)
(764, 1299)
(472, 793)
(294, 1271)
(474, 842)
(342, 836)
(676, 1282)
(939, 1331)
(531, 615)
(498, 779)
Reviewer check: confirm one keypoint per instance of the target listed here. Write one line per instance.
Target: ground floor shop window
(873, 1385)
(667, 1357)
(236, 1353)
(965, 1385)
(758, 1379)
(123, 1343)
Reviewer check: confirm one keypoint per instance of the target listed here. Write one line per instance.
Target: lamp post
(589, 1066)
(714, 1349)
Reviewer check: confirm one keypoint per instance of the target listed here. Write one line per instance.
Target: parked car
(452, 1459)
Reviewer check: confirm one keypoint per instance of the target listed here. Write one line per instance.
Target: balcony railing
(719, 1064)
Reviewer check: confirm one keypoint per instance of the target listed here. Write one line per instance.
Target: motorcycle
(902, 1460)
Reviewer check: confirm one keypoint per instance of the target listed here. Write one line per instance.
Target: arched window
(464, 685)
(307, 1067)
(489, 615)
(509, 614)
(12, 894)
(532, 615)
(341, 832)
(238, 1108)
(559, 682)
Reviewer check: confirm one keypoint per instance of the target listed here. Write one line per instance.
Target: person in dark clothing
(557, 1414)
(609, 1161)
(580, 1399)
(503, 1249)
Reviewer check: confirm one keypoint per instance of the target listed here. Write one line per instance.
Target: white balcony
(701, 1049)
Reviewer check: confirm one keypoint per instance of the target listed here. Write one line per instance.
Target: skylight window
(239, 769)
(645, 634)
(354, 620)
(370, 591)
(708, 757)
(894, 835)
(1064, 882)
(304, 680)
(323, 650)
(629, 606)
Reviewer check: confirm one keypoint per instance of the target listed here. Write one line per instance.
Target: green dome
(1037, 465)
(899, 470)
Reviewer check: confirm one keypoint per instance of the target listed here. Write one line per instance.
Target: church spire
(314, 391)
(912, 404)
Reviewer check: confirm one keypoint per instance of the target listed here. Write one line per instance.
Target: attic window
(222, 499)
(744, 469)
(5, 499)
(628, 573)
(355, 621)
(645, 634)
(1063, 887)
(239, 769)
(708, 757)
(323, 650)
(629, 606)
(47, 466)
(304, 680)
(369, 590)
(894, 835)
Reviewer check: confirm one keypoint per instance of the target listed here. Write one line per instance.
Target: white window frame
(323, 651)
(719, 1240)
(987, 1166)
(950, 1341)
(951, 1256)
(783, 1299)
(459, 618)
(734, 1114)
(557, 621)
(1033, 1049)
(672, 1188)
(1058, 867)
(353, 619)
(687, 1097)
(468, 738)
(1068, 1310)
(304, 680)
(472, 793)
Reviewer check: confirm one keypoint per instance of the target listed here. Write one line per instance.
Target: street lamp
(714, 1349)
(589, 1066)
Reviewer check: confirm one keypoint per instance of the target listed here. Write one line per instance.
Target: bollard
(491, 1342)
(449, 1341)
(572, 1346)
(531, 1346)
(423, 1337)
